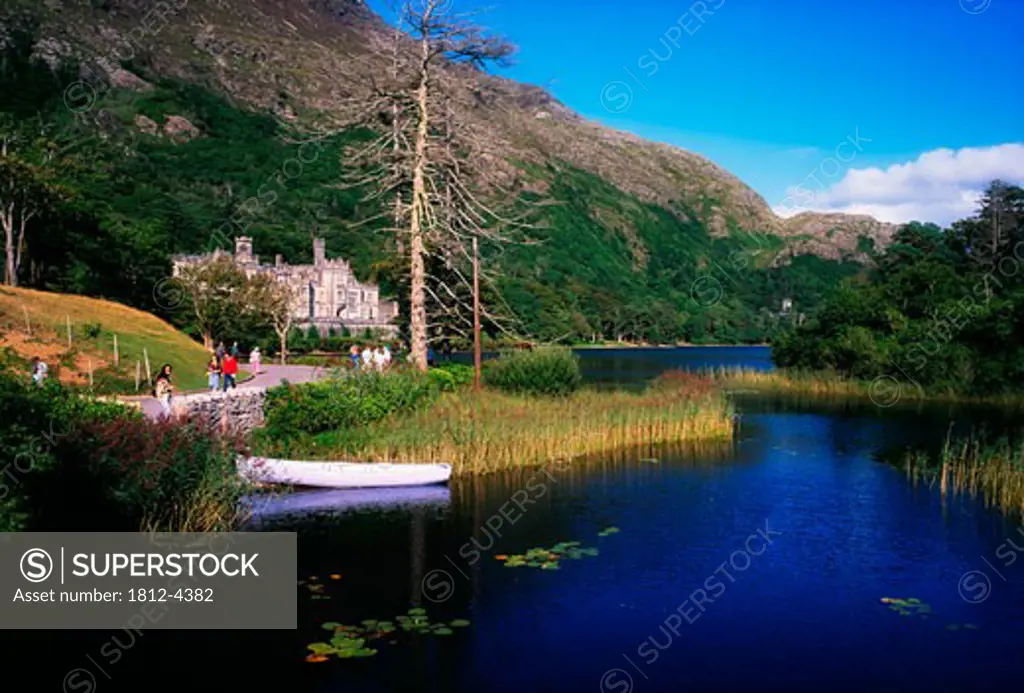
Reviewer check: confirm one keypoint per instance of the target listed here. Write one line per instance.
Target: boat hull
(315, 474)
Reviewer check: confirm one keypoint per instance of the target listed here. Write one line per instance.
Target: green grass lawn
(35, 323)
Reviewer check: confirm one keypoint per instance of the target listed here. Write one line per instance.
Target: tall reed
(479, 432)
(992, 472)
(822, 383)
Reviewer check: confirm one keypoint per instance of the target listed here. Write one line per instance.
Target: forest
(105, 197)
(940, 309)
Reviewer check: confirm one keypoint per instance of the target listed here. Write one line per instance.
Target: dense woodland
(110, 204)
(940, 309)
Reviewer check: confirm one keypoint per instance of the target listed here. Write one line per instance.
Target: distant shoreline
(670, 346)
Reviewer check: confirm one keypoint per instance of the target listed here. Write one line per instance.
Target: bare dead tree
(439, 175)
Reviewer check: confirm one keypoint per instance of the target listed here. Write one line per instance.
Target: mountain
(206, 92)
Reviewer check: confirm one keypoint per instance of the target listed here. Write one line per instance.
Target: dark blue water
(689, 595)
(632, 365)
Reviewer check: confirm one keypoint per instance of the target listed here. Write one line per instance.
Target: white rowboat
(265, 470)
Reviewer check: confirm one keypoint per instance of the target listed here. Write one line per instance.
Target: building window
(312, 301)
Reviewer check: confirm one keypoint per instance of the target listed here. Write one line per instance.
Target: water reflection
(284, 508)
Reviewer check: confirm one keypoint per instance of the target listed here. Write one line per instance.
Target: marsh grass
(972, 468)
(479, 432)
(884, 391)
(782, 382)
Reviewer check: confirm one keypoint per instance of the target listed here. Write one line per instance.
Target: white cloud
(940, 186)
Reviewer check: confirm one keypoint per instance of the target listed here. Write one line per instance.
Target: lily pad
(417, 612)
(459, 623)
(320, 648)
(331, 625)
(443, 631)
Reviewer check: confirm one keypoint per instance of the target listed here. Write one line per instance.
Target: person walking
(213, 373)
(353, 353)
(39, 371)
(255, 357)
(367, 358)
(229, 371)
(163, 390)
(387, 356)
(234, 350)
(378, 359)
(221, 351)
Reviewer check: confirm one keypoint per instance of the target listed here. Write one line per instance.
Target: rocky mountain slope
(297, 58)
(182, 111)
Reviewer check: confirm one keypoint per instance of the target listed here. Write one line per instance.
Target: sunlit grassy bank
(479, 432)
(993, 472)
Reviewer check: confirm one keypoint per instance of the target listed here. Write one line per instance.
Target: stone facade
(327, 293)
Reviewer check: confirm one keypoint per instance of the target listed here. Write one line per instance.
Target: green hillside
(35, 323)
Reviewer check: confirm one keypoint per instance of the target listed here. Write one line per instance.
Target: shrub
(95, 466)
(444, 380)
(345, 402)
(547, 371)
(165, 474)
(459, 374)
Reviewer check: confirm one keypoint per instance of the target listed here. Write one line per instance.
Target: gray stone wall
(236, 410)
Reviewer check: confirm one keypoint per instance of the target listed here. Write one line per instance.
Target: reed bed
(486, 431)
(884, 390)
(994, 473)
(782, 382)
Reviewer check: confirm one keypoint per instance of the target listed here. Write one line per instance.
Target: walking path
(270, 375)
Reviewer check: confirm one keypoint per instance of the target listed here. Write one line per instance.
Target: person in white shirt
(39, 370)
(387, 356)
(367, 358)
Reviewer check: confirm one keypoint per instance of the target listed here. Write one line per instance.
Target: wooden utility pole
(67, 319)
(476, 317)
(117, 356)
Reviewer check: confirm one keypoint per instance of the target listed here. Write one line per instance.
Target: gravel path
(270, 375)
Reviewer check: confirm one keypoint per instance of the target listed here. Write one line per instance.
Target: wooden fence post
(138, 373)
(149, 374)
(67, 319)
(117, 357)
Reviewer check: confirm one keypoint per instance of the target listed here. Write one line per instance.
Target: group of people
(222, 369)
(370, 358)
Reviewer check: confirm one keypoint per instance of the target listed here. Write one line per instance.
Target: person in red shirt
(229, 370)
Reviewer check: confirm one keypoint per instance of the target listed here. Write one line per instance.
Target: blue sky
(769, 89)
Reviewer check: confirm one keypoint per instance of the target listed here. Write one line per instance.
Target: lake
(757, 565)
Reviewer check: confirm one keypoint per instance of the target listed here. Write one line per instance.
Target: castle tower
(319, 251)
(243, 249)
